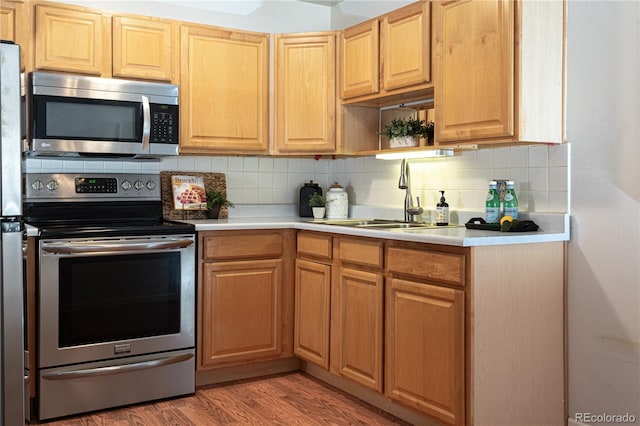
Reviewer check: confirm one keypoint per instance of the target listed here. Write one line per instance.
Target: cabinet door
(312, 295)
(241, 312)
(406, 46)
(360, 53)
(73, 40)
(475, 89)
(358, 327)
(15, 25)
(425, 349)
(224, 91)
(305, 93)
(142, 48)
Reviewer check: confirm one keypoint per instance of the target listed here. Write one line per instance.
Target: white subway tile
(251, 164)
(169, 163)
(219, 164)
(502, 157)
(538, 179)
(202, 164)
(538, 156)
(295, 165)
(235, 164)
(519, 156)
(559, 155)
(186, 164)
(235, 179)
(265, 181)
(558, 178)
(251, 180)
(265, 164)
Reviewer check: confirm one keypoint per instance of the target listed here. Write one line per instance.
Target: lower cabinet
(313, 297)
(357, 333)
(425, 356)
(245, 291)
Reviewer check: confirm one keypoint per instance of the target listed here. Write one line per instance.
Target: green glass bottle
(510, 201)
(492, 208)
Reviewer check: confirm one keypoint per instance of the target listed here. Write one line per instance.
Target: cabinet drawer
(430, 265)
(313, 244)
(363, 252)
(242, 246)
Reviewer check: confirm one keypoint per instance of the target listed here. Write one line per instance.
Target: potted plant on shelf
(318, 205)
(215, 201)
(406, 132)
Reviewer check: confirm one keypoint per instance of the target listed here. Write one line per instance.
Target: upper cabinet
(305, 93)
(144, 48)
(224, 91)
(388, 55)
(15, 25)
(499, 71)
(360, 58)
(86, 41)
(72, 39)
(406, 46)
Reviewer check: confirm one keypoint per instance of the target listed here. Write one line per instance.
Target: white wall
(603, 124)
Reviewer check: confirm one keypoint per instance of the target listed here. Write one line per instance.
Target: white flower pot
(404, 141)
(318, 212)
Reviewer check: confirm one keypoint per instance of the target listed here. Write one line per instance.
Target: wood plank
(283, 399)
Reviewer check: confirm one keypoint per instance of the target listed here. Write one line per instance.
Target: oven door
(115, 297)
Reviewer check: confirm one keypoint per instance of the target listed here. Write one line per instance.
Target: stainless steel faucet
(405, 183)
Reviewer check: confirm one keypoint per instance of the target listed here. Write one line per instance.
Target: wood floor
(284, 399)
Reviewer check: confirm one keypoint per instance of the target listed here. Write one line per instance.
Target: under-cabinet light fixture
(434, 153)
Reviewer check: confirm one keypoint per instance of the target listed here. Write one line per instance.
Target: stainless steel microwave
(77, 115)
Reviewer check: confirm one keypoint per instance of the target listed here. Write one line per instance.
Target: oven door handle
(100, 247)
(116, 369)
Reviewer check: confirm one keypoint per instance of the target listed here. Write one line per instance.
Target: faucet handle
(418, 201)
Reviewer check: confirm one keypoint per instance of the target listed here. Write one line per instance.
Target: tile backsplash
(540, 173)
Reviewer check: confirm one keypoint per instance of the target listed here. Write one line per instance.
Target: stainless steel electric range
(115, 293)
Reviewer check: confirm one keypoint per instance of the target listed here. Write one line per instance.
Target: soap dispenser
(442, 211)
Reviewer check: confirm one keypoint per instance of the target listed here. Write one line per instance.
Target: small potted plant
(318, 205)
(215, 201)
(405, 132)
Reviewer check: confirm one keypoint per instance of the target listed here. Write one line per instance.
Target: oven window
(118, 297)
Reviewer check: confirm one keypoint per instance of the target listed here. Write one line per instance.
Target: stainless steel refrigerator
(11, 279)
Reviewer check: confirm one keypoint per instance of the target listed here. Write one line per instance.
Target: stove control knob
(139, 185)
(52, 185)
(126, 185)
(151, 185)
(37, 185)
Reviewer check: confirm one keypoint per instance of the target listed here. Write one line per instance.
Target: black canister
(306, 191)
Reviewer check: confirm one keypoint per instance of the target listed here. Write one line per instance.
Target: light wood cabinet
(245, 295)
(406, 46)
(425, 341)
(241, 312)
(425, 330)
(357, 313)
(224, 91)
(386, 56)
(313, 297)
(145, 48)
(359, 60)
(72, 39)
(312, 304)
(305, 93)
(16, 26)
(497, 79)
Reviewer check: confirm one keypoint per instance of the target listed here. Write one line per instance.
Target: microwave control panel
(164, 123)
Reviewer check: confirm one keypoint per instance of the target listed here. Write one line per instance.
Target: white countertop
(553, 227)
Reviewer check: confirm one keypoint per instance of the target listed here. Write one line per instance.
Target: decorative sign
(188, 193)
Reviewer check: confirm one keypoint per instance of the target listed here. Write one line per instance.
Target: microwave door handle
(146, 123)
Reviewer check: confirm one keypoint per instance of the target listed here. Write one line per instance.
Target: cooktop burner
(86, 205)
